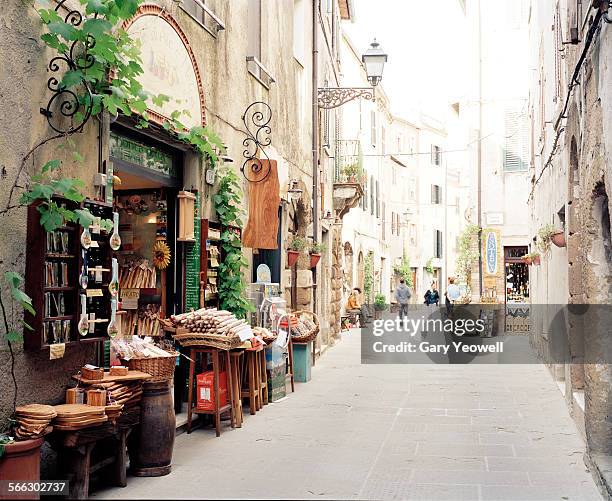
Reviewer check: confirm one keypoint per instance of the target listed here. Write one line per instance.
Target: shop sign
(495, 218)
(140, 154)
(129, 299)
(492, 251)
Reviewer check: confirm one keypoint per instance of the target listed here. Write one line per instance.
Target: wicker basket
(311, 334)
(161, 368)
(206, 340)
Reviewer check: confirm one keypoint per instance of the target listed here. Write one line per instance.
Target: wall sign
(492, 252)
(169, 65)
(495, 218)
(134, 152)
(192, 263)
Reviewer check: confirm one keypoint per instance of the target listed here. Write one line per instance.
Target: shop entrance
(517, 289)
(145, 199)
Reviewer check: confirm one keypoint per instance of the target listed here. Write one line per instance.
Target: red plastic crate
(205, 391)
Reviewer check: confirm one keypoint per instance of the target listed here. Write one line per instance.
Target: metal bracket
(333, 97)
(256, 141)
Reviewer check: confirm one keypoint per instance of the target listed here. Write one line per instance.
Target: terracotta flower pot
(536, 261)
(292, 257)
(528, 260)
(314, 259)
(21, 461)
(558, 239)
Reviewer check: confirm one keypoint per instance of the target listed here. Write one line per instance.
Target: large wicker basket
(311, 334)
(161, 368)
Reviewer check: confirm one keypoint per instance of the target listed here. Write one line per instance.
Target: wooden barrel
(151, 449)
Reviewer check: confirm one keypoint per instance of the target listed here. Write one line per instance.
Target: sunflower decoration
(161, 255)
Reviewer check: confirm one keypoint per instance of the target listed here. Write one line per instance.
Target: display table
(83, 452)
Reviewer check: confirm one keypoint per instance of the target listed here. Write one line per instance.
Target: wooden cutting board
(261, 231)
(78, 425)
(77, 410)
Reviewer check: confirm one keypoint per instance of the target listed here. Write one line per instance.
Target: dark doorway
(271, 257)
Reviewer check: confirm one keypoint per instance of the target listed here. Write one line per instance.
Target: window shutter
(372, 194)
(516, 149)
(373, 127)
(377, 201)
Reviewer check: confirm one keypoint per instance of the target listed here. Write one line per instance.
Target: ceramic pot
(21, 461)
(292, 257)
(558, 239)
(314, 259)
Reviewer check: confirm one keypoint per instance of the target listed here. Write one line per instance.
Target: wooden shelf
(59, 256)
(65, 317)
(59, 289)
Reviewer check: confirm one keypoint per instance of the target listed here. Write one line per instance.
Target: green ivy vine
(232, 286)
(404, 271)
(368, 276)
(466, 254)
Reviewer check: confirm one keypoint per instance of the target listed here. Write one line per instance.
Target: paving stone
(388, 432)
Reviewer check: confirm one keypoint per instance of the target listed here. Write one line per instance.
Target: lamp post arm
(333, 97)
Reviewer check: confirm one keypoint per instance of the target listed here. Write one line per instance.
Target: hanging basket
(558, 239)
(314, 259)
(292, 257)
(307, 326)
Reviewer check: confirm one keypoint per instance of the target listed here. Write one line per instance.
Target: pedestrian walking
(403, 295)
(451, 295)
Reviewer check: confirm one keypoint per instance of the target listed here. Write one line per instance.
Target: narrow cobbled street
(392, 432)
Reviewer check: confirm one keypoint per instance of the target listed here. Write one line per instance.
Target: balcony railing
(349, 161)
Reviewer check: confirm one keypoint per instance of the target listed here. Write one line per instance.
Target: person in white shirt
(452, 294)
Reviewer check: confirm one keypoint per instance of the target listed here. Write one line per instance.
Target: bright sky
(425, 42)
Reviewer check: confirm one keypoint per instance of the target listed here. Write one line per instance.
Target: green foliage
(404, 271)
(368, 276)
(298, 244)
(545, 234)
(429, 266)
(317, 248)
(232, 286)
(15, 282)
(4, 440)
(353, 170)
(112, 68)
(467, 254)
(380, 302)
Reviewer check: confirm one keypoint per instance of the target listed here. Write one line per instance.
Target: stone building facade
(570, 162)
(238, 53)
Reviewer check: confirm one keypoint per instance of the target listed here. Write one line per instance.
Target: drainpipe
(480, 281)
(315, 140)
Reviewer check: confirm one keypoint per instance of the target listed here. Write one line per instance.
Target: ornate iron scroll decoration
(333, 97)
(255, 141)
(64, 104)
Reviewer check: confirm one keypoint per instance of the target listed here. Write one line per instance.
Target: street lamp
(374, 61)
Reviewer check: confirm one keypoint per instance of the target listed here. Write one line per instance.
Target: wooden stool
(235, 369)
(263, 376)
(252, 371)
(218, 409)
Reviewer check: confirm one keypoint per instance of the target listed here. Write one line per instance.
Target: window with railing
(349, 161)
(203, 15)
(254, 64)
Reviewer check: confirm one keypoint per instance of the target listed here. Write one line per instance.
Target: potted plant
(380, 305)
(20, 460)
(558, 238)
(296, 246)
(533, 258)
(547, 234)
(353, 172)
(316, 249)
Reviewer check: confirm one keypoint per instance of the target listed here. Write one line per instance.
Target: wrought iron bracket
(333, 97)
(258, 115)
(66, 111)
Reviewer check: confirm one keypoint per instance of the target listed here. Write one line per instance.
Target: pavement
(440, 432)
